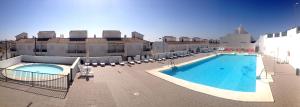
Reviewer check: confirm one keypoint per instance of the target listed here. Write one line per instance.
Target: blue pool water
(231, 72)
(41, 68)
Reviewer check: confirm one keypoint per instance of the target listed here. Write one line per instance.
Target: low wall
(49, 59)
(10, 62)
(74, 68)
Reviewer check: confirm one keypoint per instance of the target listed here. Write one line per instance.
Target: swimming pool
(35, 72)
(225, 71)
(41, 68)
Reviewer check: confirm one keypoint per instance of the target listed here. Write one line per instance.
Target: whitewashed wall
(49, 59)
(9, 62)
(286, 48)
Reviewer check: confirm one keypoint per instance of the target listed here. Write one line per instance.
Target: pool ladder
(172, 64)
(261, 72)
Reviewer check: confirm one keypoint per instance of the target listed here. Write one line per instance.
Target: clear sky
(153, 18)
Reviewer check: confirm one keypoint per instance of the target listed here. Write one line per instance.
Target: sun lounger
(145, 59)
(130, 61)
(137, 59)
(122, 63)
(85, 71)
(94, 62)
(150, 59)
(87, 63)
(112, 61)
(101, 62)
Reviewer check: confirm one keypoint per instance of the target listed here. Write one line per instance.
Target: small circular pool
(41, 68)
(35, 72)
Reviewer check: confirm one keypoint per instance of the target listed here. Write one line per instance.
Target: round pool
(41, 68)
(35, 72)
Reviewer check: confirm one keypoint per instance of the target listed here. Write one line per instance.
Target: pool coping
(66, 71)
(262, 94)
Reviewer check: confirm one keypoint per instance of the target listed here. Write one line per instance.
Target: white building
(111, 34)
(184, 39)
(137, 35)
(284, 46)
(78, 34)
(240, 39)
(23, 35)
(46, 34)
(79, 45)
(170, 44)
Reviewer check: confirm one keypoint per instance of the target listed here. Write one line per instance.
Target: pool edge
(263, 91)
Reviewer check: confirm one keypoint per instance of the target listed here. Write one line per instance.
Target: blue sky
(153, 18)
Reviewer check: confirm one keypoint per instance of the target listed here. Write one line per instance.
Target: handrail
(262, 72)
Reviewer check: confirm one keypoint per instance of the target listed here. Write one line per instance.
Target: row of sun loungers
(114, 60)
(102, 61)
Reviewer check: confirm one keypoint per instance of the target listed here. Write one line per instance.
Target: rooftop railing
(36, 79)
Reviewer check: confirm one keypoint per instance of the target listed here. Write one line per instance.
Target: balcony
(13, 49)
(40, 50)
(115, 51)
(147, 49)
(76, 51)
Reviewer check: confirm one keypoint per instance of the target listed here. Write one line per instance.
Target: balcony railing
(40, 50)
(115, 51)
(147, 49)
(13, 49)
(76, 51)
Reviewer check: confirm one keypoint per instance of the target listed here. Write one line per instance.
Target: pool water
(225, 71)
(41, 68)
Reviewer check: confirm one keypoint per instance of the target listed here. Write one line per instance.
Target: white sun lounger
(102, 61)
(137, 59)
(85, 71)
(112, 61)
(122, 63)
(130, 61)
(150, 59)
(145, 59)
(94, 62)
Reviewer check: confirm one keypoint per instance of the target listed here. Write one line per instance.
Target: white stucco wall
(284, 48)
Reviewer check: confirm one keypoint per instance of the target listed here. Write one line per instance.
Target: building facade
(240, 39)
(79, 45)
(171, 44)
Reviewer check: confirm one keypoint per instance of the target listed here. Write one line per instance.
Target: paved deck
(133, 87)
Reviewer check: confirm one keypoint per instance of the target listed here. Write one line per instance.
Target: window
(284, 33)
(115, 48)
(76, 48)
(270, 35)
(277, 35)
(298, 30)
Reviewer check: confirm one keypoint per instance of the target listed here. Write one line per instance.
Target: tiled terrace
(133, 87)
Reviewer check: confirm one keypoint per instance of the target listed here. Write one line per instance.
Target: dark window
(113, 39)
(284, 33)
(277, 35)
(76, 48)
(270, 35)
(298, 29)
(115, 48)
(43, 39)
(77, 39)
